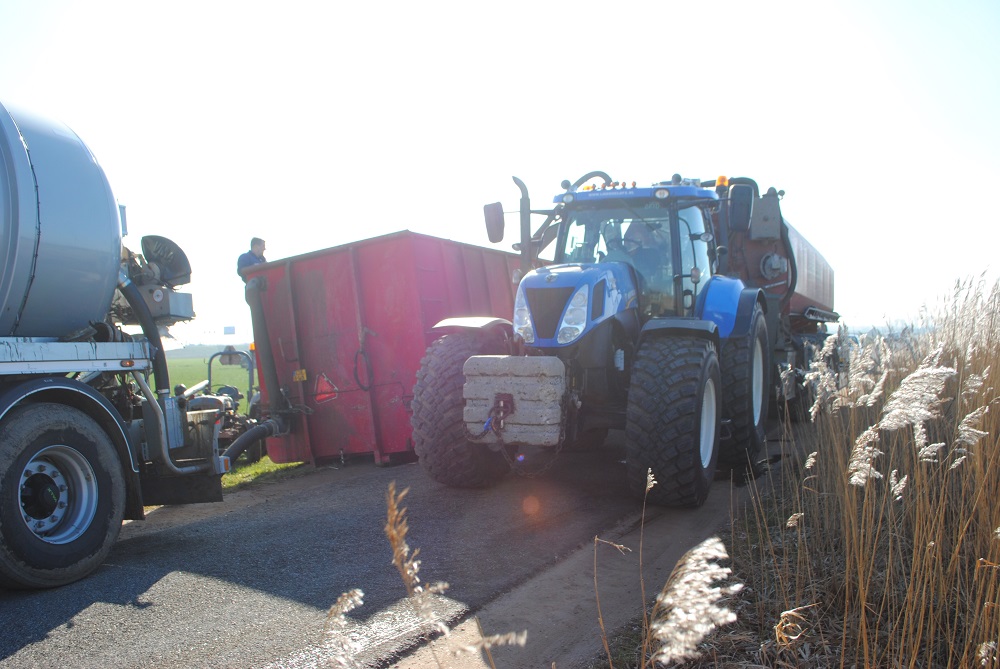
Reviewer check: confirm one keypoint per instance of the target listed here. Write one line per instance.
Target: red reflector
(325, 390)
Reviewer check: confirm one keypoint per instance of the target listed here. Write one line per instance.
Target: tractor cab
(665, 242)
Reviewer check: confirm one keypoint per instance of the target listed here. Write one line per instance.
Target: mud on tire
(746, 390)
(62, 496)
(672, 420)
(439, 432)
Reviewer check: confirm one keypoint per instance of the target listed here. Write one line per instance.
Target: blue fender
(748, 298)
(719, 303)
(728, 303)
(679, 326)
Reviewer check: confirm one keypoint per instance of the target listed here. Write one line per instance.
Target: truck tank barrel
(60, 231)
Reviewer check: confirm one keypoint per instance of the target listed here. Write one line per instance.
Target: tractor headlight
(575, 318)
(522, 318)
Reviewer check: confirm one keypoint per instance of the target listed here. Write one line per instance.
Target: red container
(348, 326)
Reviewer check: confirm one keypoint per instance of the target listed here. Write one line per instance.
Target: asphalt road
(247, 582)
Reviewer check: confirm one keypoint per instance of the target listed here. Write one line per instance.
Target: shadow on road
(279, 555)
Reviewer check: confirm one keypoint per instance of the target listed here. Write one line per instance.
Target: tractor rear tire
(746, 391)
(62, 496)
(672, 420)
(440, 437)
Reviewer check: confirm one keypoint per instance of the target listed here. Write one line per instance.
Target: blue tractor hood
(575, 298)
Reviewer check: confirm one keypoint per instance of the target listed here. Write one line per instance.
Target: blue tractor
(624, 318)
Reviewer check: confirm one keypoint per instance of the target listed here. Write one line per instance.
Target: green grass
(262, 471)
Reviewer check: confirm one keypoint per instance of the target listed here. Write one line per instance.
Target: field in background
(192, 370)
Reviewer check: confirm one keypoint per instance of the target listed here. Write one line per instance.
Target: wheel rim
(758, 381)
(58, 494)
(708, 422)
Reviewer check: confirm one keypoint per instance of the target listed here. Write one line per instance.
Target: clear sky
(312, 124)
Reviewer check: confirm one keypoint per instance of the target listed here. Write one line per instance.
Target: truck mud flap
(195, 488)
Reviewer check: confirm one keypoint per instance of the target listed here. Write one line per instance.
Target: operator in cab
(254, 256)
(648, 249)
(649, 253)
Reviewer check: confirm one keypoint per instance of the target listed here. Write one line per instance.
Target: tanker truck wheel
(672, 420)
(62, 496)
(439, 432)
(746, 386)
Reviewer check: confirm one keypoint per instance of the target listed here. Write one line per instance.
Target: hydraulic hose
(269, 428)
(161, 427)
(135, 300)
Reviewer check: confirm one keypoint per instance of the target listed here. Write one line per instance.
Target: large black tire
(440, 438)
(746, 392)
(672, 420)
(62, 496)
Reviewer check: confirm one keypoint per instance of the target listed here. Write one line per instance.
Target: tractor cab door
(694, 256)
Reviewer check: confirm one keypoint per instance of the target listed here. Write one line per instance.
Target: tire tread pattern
(747, 439)
(663, 420)
(439, 432)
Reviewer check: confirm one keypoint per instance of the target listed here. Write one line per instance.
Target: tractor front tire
(440, 438)
(746, 387)
(62, 496)
(672, 420)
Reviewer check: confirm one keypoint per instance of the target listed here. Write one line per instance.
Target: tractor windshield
(668, 263)
(638, 237)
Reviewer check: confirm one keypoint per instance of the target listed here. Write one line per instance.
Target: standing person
(252, 257)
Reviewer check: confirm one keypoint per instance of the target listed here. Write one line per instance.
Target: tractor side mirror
(741, 199)
(494, 222)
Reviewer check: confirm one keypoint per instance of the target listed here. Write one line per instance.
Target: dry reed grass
(883, 549)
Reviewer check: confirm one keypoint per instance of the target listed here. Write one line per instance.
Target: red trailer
(348, 326)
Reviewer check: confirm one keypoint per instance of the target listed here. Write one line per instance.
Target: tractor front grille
(547, 306)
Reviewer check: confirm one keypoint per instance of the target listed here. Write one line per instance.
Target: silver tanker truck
(85, 440)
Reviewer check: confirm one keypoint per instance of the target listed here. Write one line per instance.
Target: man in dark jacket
(252, 257)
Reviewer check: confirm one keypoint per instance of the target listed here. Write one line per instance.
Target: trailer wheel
(62, 496)
(746, 387)
(672, 420)
(439, 432)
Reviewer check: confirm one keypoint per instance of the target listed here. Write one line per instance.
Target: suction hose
(269, 428)
(141, 310)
